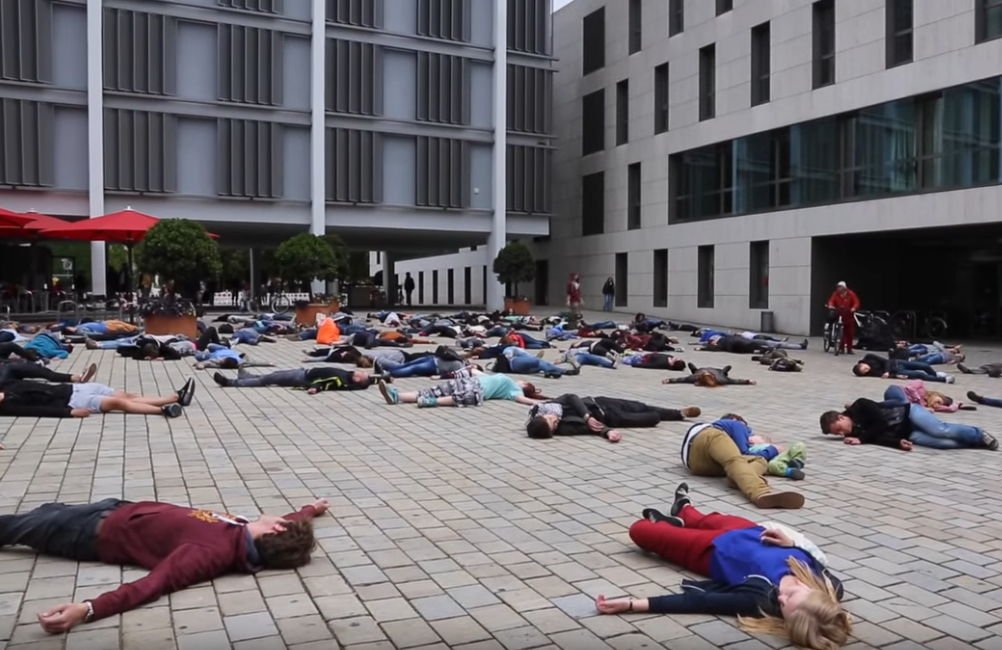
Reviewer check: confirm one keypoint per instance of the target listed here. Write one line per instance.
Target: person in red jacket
(180, 546)
(574, 292)
(845, 301)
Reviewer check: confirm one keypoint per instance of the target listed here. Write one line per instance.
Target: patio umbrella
(32, 229)
(14, 219)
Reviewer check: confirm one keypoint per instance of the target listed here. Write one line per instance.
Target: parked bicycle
(834, 332)
(910, 325)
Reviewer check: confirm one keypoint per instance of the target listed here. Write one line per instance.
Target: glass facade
(942, 141)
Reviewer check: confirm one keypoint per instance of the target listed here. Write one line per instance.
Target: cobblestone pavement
(449, 528)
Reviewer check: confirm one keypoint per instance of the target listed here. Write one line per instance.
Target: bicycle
(834, 332)
(934, 326)
(280, 303)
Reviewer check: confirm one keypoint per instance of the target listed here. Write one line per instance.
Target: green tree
(306, 257)
(514, 265)
(181, 251)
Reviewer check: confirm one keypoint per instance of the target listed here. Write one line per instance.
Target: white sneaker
(950, 379)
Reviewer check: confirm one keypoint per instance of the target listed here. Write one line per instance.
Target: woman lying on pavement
(361, 358)
(570, 415)
(709, 377)
(769, 576)
(517, 361)
(444, 362)
(313, 381)
(654, 361)
(470, 388)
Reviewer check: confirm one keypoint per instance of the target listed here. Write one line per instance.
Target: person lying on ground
(226, 359)
(722, 448)
(179, 546)
(12, 371)
(935, 354)
(442, 362)
(779, 361)
(524, 341)
(654, 342)
(472, 388)
(645, 325)
(709, 378)
(981, 399)
(49, 346)
(313, 380)
(993, 370)
(518, 361)
(872, 365)
(26, 398)
(771, 577)
(570, 415)
(653, 361)
(732, 343)
(604, 347)
(103, 330)
(19, 353)
(250, 336)
(580, 357)
(897, 424)
(362, 358)
(916, 393)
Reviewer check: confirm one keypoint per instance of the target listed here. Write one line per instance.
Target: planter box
(187, 325)
(307, 314)
(517, 306)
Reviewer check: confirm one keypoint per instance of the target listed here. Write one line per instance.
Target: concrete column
(252, 283)
(318, 117)
(389, 286)
(499, 229)
(95, 138)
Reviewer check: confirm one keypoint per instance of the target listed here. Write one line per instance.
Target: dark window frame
(984, 12)
(823, 42)
(593, 204)
(636, 41)
(723, 6)
(761, 64)
(593, 42)
(622, 296)
(706, 263)
(593, 122)
(900, 20)
(634, 196)
(659, 297)
(758, 278)
(622, 112)
(707, 82)
(662, 97)
(676, 17)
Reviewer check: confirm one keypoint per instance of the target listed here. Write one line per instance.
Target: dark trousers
(295, 378)
(17, 371)
(629, 414)
(369, 339)
(603, 347)
(210, 335)
(8, 348)
(655, 361)
(58, 529)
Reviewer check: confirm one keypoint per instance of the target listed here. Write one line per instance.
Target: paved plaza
(449, 528)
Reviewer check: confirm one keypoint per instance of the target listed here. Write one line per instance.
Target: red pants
(689, 547)
(848, 331)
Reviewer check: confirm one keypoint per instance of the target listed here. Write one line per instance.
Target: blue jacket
(48, 346)
(739, 433)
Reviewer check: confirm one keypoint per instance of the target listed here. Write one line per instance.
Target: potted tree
(305, 258)
(513, 266)
(182, 253)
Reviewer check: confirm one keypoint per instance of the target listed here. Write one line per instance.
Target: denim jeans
(607, 302)
(117, 343)
(782, 345)
(295, 378)
(604, 325)
(991, 401)
(423, 367)
(929, 431)
(529, 365)
(247, 336)
(58, 529)
(932, 358)
(586, 359)
(515, 351)
(497, 330)
(917, 370)
(533, 344)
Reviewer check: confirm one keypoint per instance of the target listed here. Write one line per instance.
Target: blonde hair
(819, 623)
(364, 362)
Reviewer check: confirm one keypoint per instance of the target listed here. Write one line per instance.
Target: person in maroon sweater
(180, 546)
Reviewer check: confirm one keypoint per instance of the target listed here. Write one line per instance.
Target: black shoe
(220, 379)
(681, 499)
(806, 342)
(552, 375)
(974, 397)
(187, 392)
(573, 372)
(795, 474)
(968, 407)
(657, 516)
(171, 410)
(964, 369)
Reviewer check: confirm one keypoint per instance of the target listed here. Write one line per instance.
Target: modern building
(373, 119)
(725, 158)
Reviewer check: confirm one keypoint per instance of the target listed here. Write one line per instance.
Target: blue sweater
(740, 554)
(739, 433)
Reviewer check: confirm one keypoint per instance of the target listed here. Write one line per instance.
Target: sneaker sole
(385, 392)
(781, 501)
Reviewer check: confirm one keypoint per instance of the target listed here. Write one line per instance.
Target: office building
(725, 158)
(373, 119)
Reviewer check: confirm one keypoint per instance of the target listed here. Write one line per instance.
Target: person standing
(845, 302)
(608, 293)
(574, 293)
(409, 288)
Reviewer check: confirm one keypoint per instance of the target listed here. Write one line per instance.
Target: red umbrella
(33, 228)
(16, 219)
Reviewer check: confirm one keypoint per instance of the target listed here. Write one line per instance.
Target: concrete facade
(373, 119)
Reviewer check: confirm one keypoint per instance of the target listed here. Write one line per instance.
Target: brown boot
(781, 500)
(691, 412)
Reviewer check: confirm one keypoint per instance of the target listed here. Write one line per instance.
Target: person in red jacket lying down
(180, 546)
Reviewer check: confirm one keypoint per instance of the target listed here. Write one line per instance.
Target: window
(899, 32)
(824, 43)
(450, 286)
(593, 204)
(723, 6)
(27, 151)
(264, 6)
(593, 41)
(758, 275)
(250, 159)
(445, 19)
(593, 122)
(948, 139)
(529, 99)
(528, 26)
(636, 26)
(661, 81)
(661, 278)
(704, 290)
(442, 81)
(139, 52)
(676, 17)
(26, 41)
(356, 13)
(140, 153)
(354, 166)
(707, 83)
(528, 179)
(622, 279)
(622, 112)
(443, 173)
(354, 72)
(633, 196)
(250, 65)
(988, 20)
(761, 53)
(420, 287)
(468, 285)
(434, 287)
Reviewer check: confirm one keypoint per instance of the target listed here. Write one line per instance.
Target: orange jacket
(328, 332)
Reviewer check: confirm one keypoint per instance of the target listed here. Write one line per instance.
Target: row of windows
(899, 45)
(450, 285)
(593, 201)
(140, 155)
(758, 277)
(944, 140)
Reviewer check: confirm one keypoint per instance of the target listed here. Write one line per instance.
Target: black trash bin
(768, 323)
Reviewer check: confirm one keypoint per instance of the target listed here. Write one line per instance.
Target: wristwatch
(90, 611)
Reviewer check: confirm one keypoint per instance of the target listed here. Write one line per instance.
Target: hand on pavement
(595, 425)
(63, 617)
(906, 445)
(321, 506)
(852, 441)
(614, 436)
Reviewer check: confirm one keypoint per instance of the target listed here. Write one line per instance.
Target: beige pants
(713, 453)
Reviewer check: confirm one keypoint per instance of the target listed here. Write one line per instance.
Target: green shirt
(500, 387)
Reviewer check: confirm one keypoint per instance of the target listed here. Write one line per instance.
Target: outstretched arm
(687, 602)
